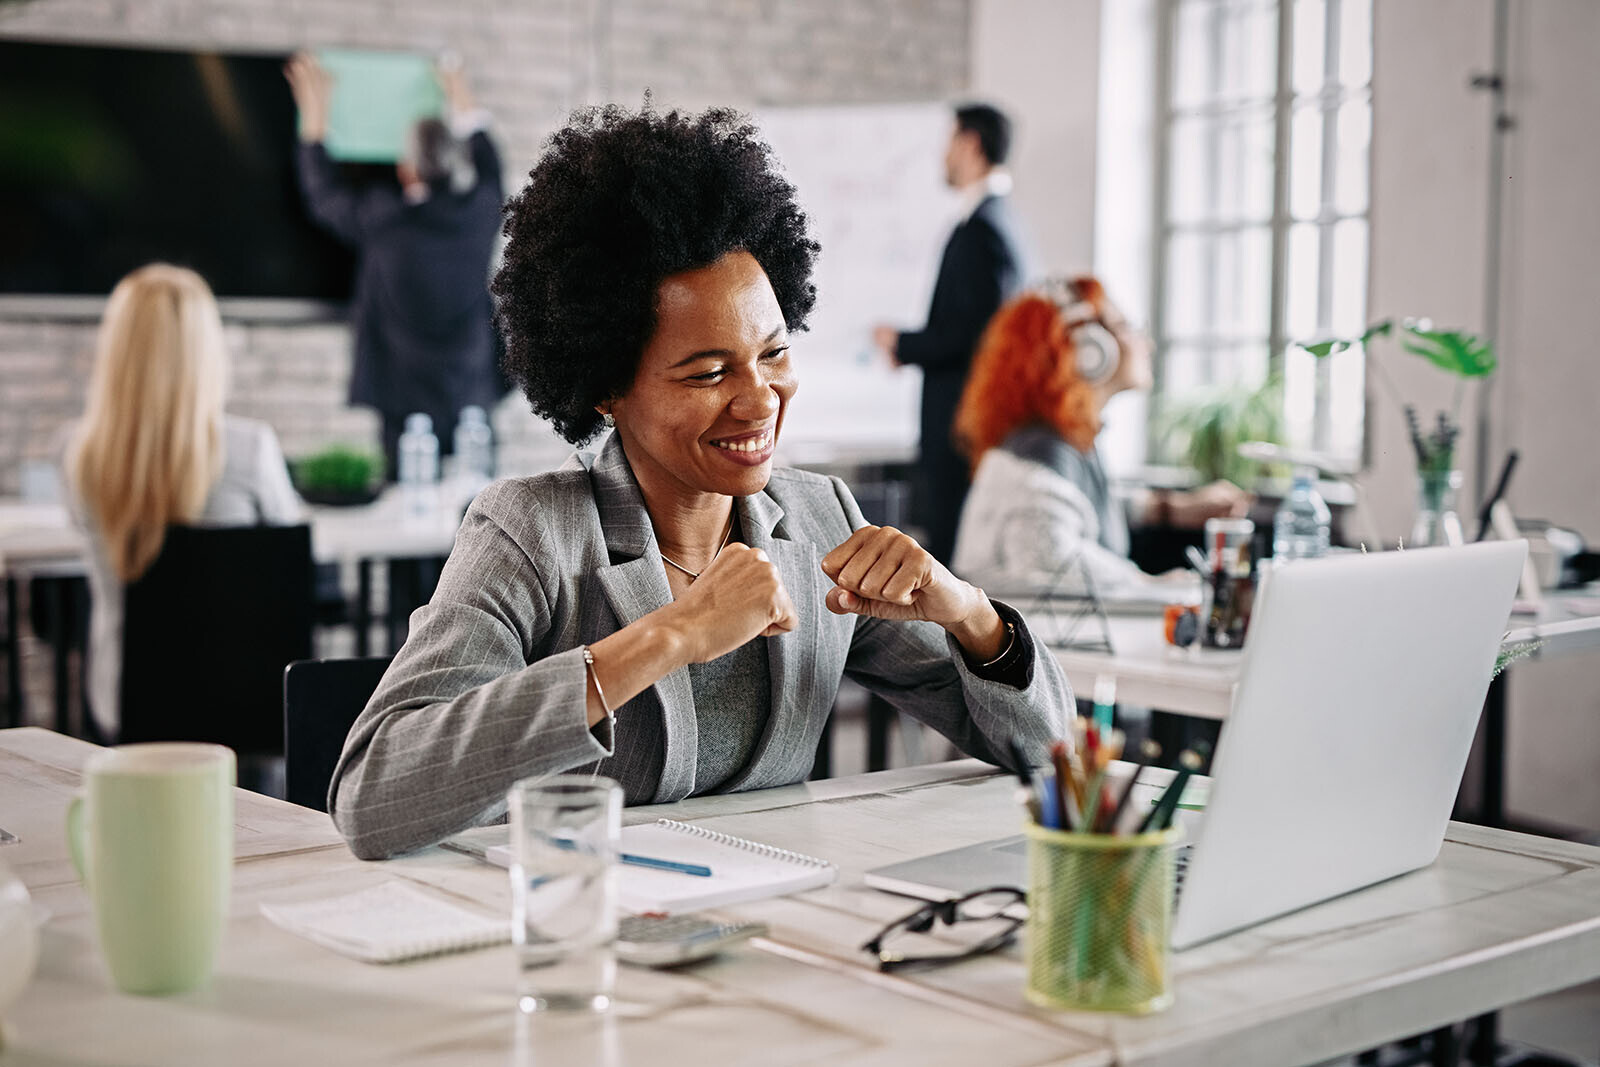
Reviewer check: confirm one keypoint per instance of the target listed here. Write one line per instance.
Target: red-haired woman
(1047, 364)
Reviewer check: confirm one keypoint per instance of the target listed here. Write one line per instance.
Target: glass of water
(564, 832)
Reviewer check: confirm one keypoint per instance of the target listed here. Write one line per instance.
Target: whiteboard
(871, 181)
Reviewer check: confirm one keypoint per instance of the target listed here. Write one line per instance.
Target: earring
(609, 419)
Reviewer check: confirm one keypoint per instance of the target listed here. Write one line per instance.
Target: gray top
(732, 704)
(490, 686)
(253, 488)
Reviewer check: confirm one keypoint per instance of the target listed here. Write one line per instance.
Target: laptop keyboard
(1180, 866)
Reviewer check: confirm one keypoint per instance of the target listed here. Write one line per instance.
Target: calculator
(669, 940)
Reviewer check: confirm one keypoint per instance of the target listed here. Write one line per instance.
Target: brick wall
(530, 62)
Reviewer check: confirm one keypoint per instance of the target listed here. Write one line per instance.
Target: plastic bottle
(1300, 528)
(474, 449)
(419, 466)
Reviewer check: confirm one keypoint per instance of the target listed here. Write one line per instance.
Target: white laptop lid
(1359, 694)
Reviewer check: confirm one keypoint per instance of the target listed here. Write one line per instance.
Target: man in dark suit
(981, 269)
(421, 311)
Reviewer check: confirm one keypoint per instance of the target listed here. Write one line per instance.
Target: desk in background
(1500, 917)
(39, 541)
(1200, 682)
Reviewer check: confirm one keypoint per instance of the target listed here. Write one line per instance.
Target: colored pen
(1149, 751)
(1105, 701)
(699, 870)
(1091, 807)
(1160, 816)
(1049, 806)
(1064, 782)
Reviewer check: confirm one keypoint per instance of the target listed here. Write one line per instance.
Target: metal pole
(1500, 125)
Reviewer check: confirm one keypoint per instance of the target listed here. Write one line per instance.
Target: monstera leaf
(1460, 353)
(1456, 351)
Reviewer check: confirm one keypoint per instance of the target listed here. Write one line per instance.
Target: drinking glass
(564, 832)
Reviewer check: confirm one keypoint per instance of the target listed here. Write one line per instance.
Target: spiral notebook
(389, 922)
(741, 870)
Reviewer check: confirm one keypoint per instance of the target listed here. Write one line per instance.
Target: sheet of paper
(377, 96)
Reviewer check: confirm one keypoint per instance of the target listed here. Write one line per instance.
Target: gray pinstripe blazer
(490, 686)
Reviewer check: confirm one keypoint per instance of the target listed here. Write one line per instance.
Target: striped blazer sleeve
(469, 705)
(921, 670)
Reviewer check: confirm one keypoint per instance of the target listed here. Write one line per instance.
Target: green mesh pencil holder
(1099, 920)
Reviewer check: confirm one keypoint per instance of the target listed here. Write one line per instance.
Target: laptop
(1359, 694)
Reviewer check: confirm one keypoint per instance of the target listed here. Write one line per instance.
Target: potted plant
(1207, 430)
(1466, 356)
(340, 476)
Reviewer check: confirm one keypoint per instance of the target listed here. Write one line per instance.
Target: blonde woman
(155, 449)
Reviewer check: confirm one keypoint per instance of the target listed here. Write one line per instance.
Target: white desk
(34, 536)
(1499, 918)
(277, 999)
(41, 541)
(1200, 682)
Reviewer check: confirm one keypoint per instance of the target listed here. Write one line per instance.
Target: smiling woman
(672, 611)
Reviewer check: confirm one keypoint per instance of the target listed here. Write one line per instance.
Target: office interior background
(1145, 154)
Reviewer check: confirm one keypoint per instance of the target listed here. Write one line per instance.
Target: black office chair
(207, 631)
(321, 699)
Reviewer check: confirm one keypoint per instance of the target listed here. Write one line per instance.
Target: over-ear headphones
(1096, 349)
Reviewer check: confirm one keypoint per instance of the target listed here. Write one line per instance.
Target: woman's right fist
(738, 597)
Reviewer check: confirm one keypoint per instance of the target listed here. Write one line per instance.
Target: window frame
(1329, 98)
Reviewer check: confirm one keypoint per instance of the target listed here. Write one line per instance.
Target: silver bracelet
(588, 665)
(1011, 642)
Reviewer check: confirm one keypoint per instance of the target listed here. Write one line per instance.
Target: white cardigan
(1025, 522)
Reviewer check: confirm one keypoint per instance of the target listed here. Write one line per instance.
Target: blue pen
(699, 870)
(1049, 811)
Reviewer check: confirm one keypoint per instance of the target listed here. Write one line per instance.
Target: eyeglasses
(985, 906)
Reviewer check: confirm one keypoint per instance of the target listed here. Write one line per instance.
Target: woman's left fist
(884, 574)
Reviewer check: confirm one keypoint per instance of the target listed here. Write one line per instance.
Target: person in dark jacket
(421, 311)
(981, 269)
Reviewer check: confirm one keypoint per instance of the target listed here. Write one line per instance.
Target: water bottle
(419, 467)
(474, 449)
(1300, 528)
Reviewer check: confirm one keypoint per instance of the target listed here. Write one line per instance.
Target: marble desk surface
(1499, 918)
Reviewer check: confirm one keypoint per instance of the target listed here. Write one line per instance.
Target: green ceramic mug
(152, 837)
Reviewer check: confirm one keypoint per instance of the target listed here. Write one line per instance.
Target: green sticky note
(377, 96)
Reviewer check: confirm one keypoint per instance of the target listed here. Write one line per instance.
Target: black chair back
(321, 699)
(207, 631)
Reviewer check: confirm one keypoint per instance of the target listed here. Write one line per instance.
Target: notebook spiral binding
(769, 851)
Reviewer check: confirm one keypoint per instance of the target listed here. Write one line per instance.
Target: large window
(1266, 111)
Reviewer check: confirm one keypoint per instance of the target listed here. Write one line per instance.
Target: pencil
(1058, 753)
(1149, 751)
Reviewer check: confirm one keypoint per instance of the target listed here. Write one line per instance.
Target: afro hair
(619, 202)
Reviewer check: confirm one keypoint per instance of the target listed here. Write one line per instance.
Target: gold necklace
(695, 574)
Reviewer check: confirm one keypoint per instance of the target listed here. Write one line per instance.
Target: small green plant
(339, 470)
(1509, 654)
(1207, 430)
(1457, 352)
